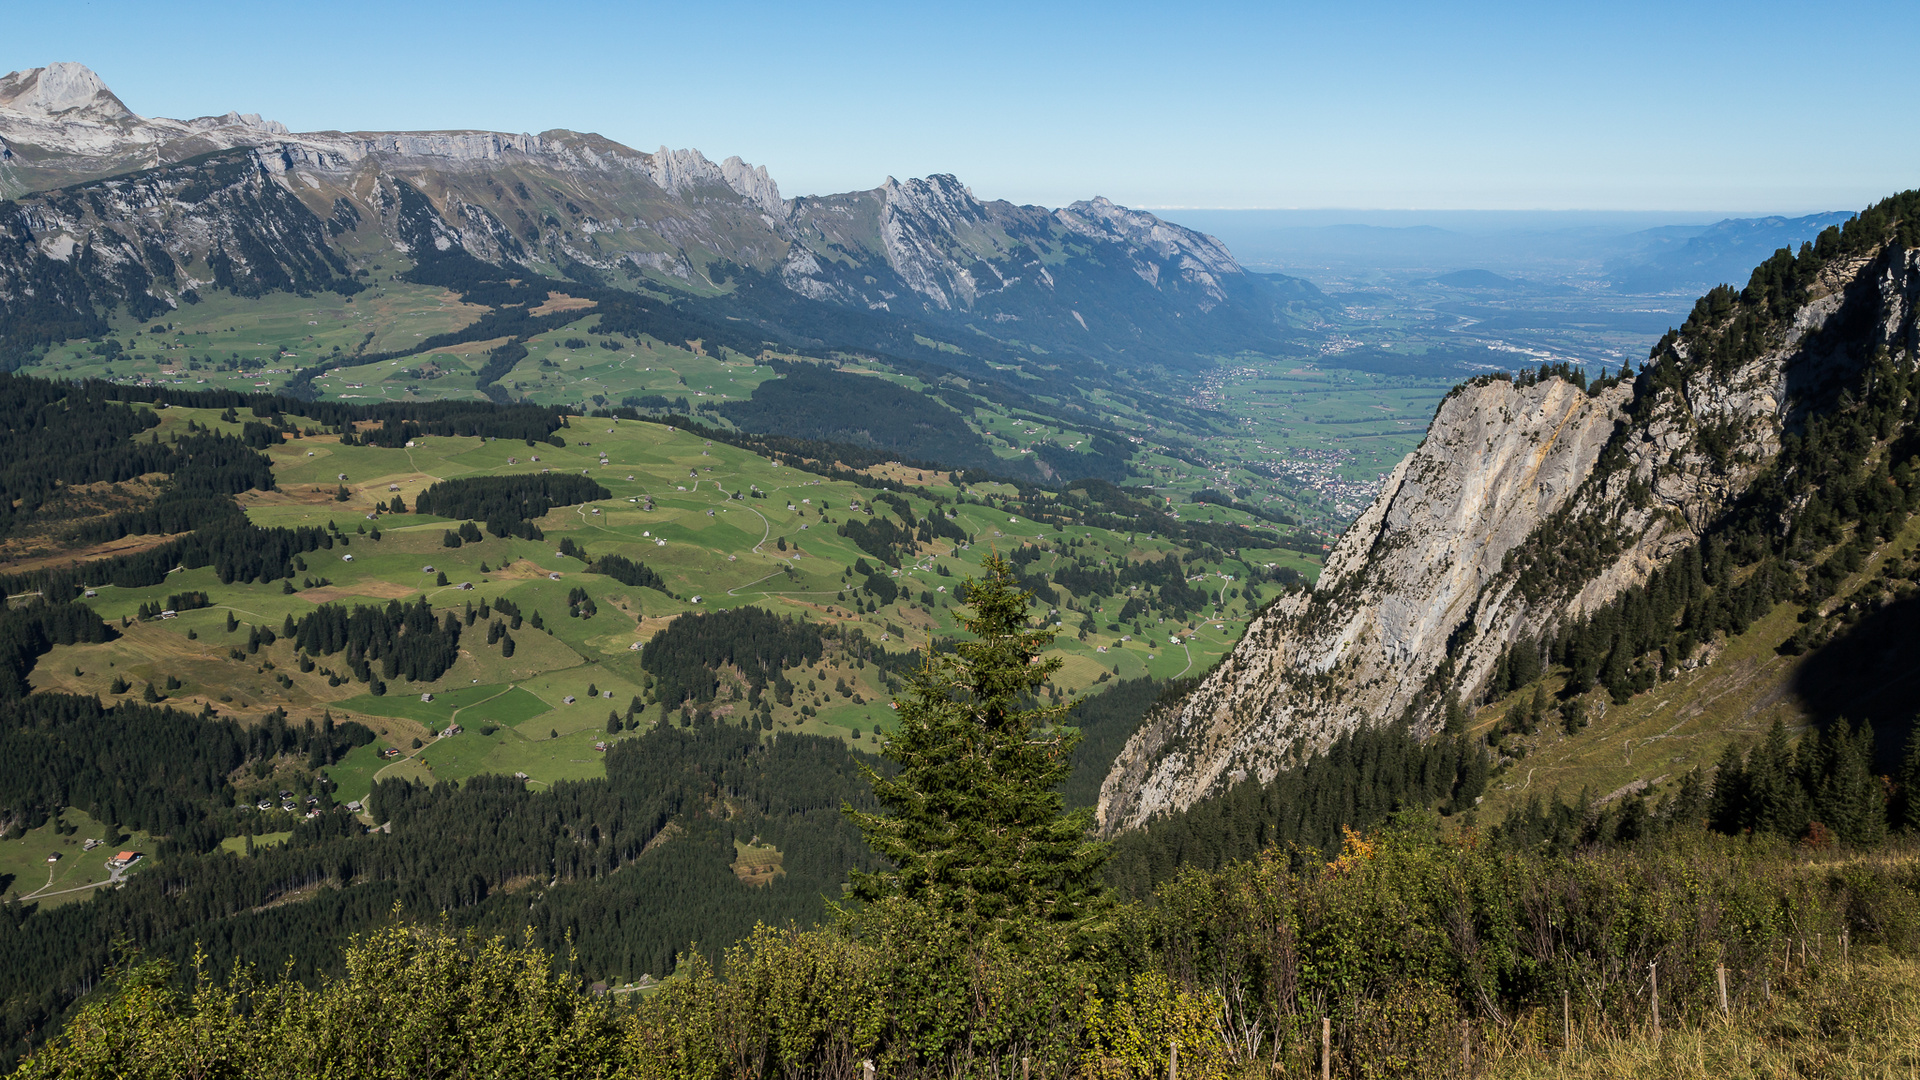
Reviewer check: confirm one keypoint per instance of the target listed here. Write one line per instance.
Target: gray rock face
(62, 90)
(1422, 578)
(1400, 582)
(1199, 259)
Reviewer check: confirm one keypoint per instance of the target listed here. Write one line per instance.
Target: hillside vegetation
(687, 649)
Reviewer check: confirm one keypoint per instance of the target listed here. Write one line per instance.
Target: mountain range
(112, 208)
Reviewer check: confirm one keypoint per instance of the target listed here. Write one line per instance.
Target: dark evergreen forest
(507, 504)
(631, 869)
(404, 639)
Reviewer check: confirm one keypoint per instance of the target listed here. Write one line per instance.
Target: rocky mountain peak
(231, 119)
(678, 172)
(62, 90)
(1195, 253)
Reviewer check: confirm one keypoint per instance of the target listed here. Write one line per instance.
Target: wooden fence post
(1466, 1048)
(1026, 1069)
(1653, 981)
(1722, 972)
(1566, 1019)
(1326, 1048)
(1173, 1060)
(1845, 934)
(866, 1069)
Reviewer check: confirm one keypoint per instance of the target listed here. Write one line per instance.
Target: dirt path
(456, 713)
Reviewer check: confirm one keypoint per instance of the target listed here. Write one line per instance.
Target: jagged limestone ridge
(595, 203)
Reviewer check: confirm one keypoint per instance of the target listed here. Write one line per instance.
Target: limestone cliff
(1527, 508)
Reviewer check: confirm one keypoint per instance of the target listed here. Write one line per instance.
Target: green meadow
(723, 527)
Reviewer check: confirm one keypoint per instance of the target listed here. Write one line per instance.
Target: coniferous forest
(992, 936)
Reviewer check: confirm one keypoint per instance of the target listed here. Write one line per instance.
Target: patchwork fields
(722, 528)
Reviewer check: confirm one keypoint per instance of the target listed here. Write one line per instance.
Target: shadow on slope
(1870, 672)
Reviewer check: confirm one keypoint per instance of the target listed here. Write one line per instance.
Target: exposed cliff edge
(1531, 506)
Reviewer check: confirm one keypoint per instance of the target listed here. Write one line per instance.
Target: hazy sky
(1750, 106)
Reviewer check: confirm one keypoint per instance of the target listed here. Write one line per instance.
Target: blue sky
(1686, 106)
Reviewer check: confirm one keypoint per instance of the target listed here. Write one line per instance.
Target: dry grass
(126, 545)
(43, 540)
(557, 301)
(1860, 1021)
(382, 590)
(757, 864)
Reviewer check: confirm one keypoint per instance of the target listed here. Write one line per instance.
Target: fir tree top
(974, 823)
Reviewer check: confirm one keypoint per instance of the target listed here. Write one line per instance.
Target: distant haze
(1631, 250)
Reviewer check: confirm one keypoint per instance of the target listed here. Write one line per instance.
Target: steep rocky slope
(106, 193)
(1533, 512)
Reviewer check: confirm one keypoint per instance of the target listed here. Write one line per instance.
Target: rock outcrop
(1452, 564)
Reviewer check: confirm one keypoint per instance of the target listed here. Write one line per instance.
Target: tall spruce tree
(1848, 798)
(974, 821)
(1903, 813)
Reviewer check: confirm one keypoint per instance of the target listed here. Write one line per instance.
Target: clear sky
(1752, 106)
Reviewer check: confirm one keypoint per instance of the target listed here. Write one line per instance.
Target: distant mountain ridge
(135, 212)
(1725, 252)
